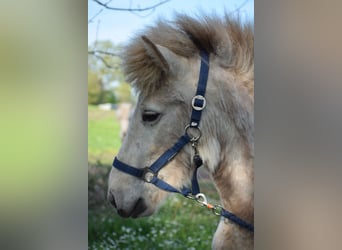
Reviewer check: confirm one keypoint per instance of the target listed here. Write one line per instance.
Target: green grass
(179, 224)
(103, 136)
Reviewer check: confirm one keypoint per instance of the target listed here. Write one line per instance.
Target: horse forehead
(174, 84)
(162, 96)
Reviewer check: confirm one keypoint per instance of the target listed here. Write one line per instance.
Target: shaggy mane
(225, 38)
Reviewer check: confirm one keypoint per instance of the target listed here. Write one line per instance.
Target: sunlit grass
(179, 224)
(103, 136)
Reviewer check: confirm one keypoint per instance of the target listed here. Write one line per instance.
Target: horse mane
(227, 38)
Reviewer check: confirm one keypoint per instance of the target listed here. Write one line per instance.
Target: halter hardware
(195, 137)
(148, 175)
(192, 134)
(198, 102)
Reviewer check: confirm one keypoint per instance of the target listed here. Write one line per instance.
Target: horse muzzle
(138, 209)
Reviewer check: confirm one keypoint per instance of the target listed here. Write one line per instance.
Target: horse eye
(150, 116)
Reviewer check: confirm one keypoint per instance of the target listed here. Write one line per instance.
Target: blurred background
(179, 224)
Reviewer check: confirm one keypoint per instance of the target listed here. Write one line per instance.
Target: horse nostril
(139, 208)
(136, 211)
(123, 213)
(111, 199)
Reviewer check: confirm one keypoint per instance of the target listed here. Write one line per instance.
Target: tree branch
(241, 5)
(131, 9)
(104, 62)
(96, 52)
(91, 19)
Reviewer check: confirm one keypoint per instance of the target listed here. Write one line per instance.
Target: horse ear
(164, 57)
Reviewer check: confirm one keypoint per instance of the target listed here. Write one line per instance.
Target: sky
(119, 26)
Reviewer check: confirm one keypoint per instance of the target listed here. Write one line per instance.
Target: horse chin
(138, 212)
(146, 213)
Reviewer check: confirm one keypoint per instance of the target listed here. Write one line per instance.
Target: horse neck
(227, 142)
(229, 159)
(234, 178)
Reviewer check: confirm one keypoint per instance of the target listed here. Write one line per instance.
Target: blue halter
(150, 174)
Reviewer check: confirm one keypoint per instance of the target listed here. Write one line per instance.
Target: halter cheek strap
(150, 174)
(199, 102)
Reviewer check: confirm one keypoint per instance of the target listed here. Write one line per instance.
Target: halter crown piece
(150, 174)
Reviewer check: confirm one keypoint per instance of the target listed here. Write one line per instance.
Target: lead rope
(202, 199)
(198, 162)
(220, 211)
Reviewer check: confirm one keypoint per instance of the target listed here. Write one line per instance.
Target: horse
(164, 64)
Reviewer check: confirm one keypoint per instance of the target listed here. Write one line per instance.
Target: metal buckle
(198, 97)
(148, 175)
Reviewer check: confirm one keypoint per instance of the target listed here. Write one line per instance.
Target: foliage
(123, 93)
(105, 61)
(96, 92)
(108, 96)
(94, 88)
(106, 82)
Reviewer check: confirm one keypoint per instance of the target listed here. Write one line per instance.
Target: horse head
(160, 117)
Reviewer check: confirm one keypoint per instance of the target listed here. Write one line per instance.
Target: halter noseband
(150, 174)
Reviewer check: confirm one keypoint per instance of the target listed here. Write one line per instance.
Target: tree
(109, 84)
(130, 8)
(123, 92)
(105, 61)
(94, 88)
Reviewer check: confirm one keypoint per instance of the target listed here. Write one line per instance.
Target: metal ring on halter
(217, 210)
(193, 138)
(148, 175)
